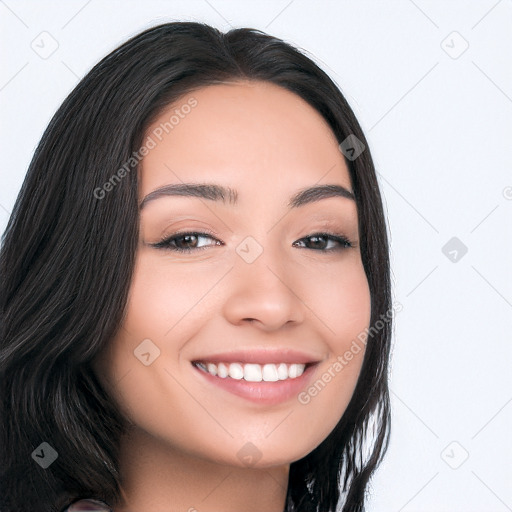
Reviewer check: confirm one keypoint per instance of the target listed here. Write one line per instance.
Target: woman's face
(255, 288)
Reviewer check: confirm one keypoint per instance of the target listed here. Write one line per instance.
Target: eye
(190, 241)
(322, 241)
(185, 242)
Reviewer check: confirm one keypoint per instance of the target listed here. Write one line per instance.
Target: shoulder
(88, 505)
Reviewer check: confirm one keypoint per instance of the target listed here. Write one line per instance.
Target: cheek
(147, 318)
(340, 298)
(343, 304)
(160, 295)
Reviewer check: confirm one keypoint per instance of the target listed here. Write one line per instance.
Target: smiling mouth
(253, 372)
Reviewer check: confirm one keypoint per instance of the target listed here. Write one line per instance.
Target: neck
(158, 478)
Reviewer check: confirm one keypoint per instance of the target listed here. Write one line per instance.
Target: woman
(196, 307)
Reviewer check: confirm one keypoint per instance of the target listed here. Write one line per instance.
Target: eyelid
(188, 231)
(161, 244)
(339, 237)
(333, 234)
(344, 241)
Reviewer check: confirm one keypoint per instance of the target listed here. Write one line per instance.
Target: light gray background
(439, 124)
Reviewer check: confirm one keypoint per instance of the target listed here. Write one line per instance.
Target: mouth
(259, 377)
(254, 372)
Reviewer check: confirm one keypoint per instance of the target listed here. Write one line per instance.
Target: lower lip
(268, 393)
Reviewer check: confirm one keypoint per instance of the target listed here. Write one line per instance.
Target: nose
(264, 293)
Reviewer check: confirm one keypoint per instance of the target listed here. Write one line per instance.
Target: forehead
(253, 134)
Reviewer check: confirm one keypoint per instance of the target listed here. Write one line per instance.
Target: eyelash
(165, 243)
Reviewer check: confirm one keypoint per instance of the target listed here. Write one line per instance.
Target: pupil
(187, 239)
(317, 240)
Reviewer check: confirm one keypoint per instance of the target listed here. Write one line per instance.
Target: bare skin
(184, 450)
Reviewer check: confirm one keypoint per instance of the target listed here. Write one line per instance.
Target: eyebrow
(214, 192)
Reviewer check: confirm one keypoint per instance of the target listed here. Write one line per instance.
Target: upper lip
(260, 356)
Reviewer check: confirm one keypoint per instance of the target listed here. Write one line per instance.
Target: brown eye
(320, 242)
(185, 242)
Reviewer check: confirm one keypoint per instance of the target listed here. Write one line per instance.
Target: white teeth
(236, 371)
(254, 372)
(222, 370)
(270, 373)
(282, 371)
(295, 370)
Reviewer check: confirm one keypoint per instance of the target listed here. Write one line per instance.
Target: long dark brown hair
(67, 259)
